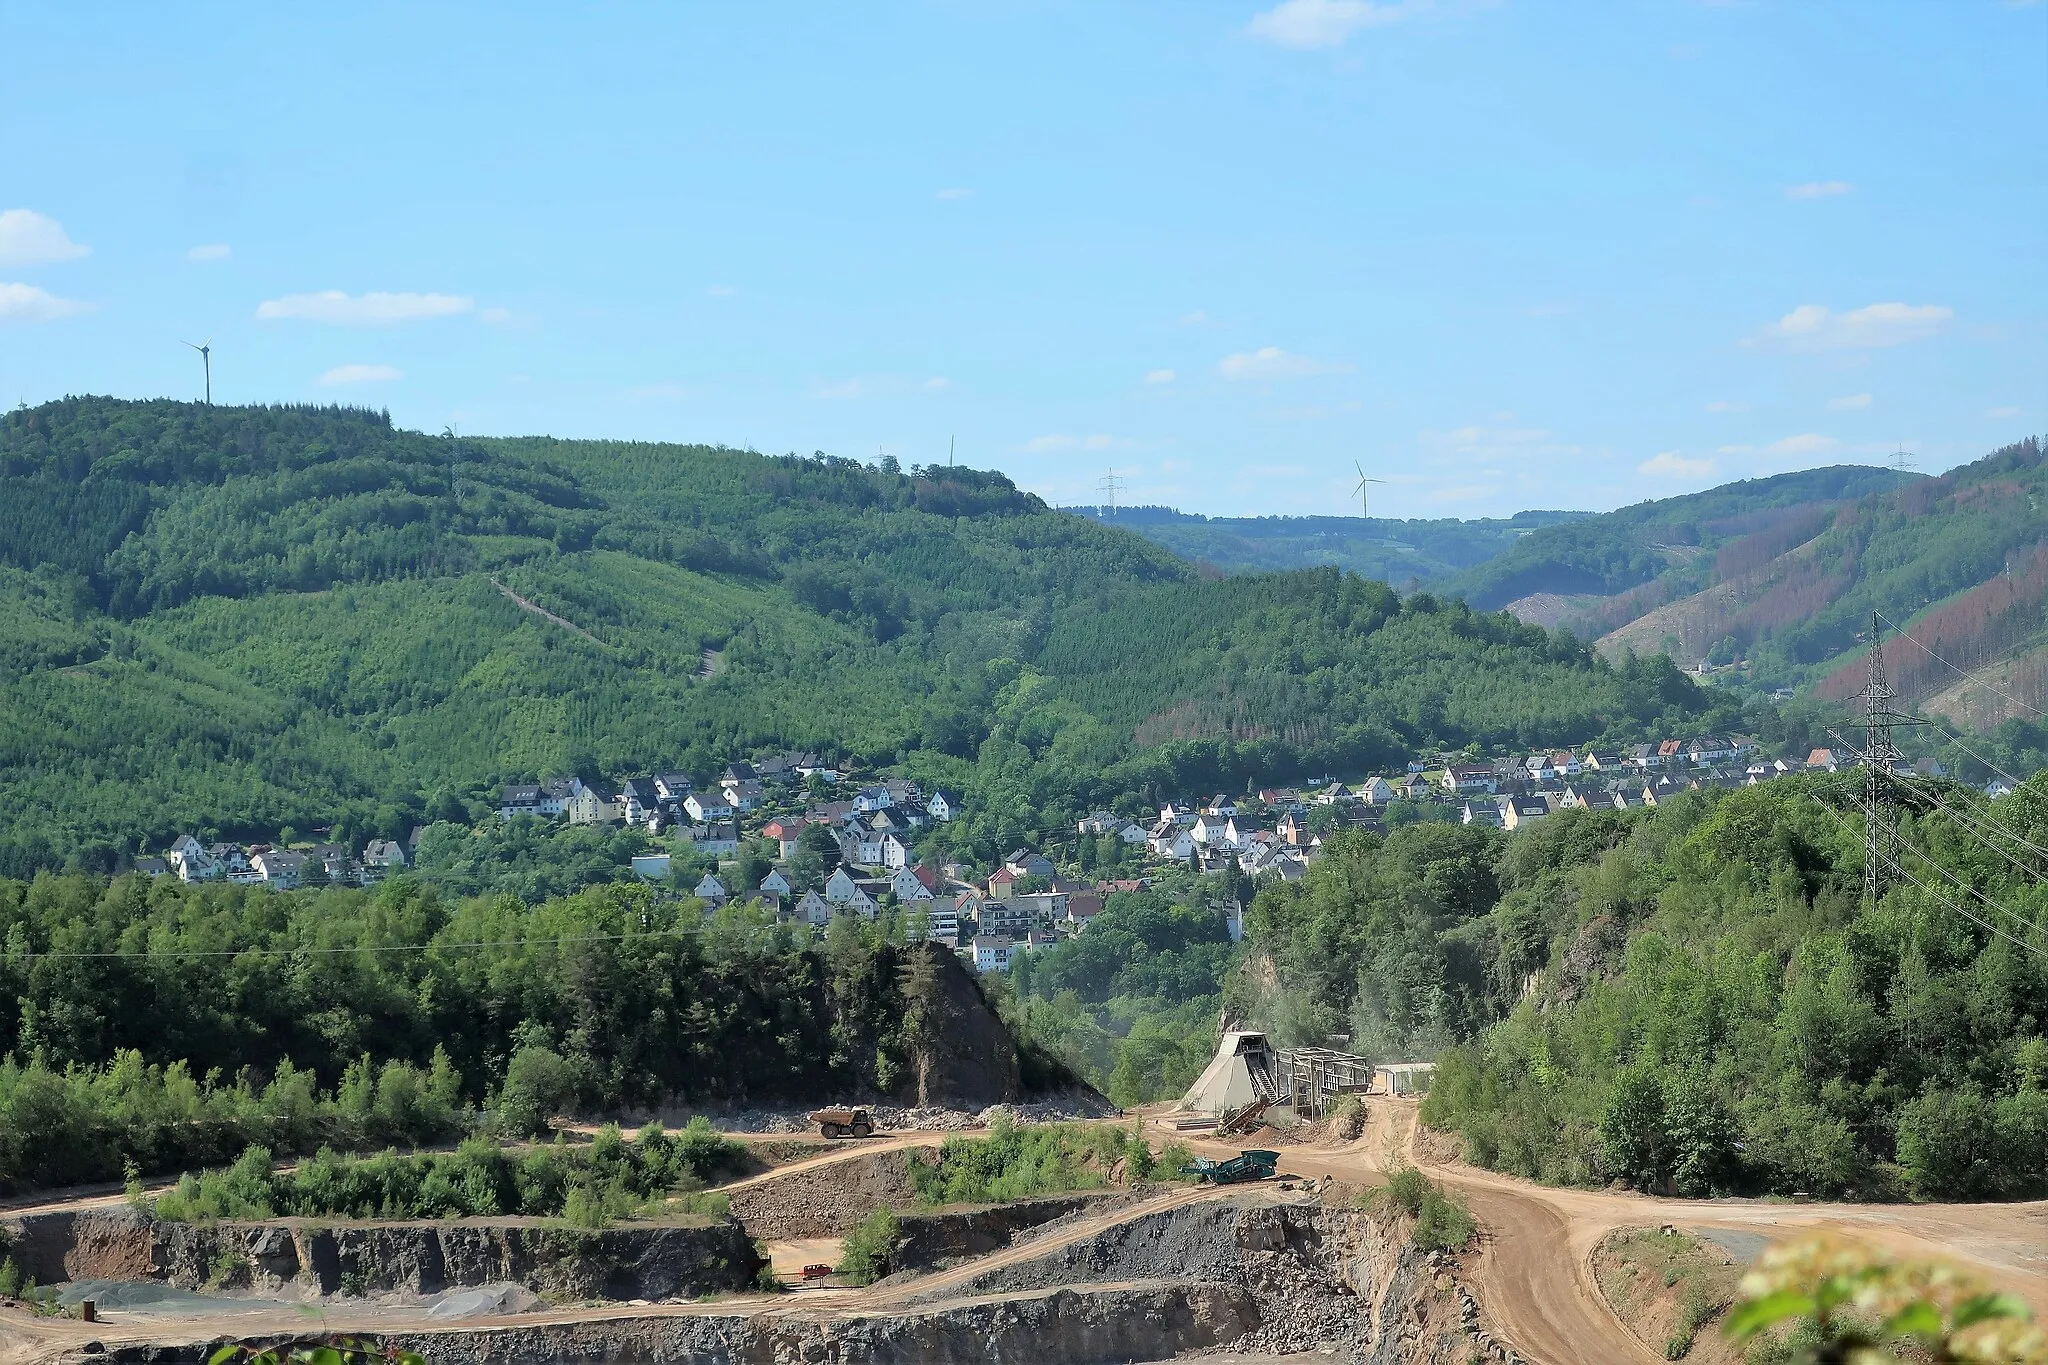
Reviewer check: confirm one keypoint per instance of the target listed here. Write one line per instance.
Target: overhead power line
(1966, 674)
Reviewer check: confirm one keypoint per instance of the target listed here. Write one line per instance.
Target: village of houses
(1026, 901)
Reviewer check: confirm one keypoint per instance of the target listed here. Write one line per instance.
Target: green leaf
(1753, 1315)
(224, 1354)
(1917, 1319)
(1979, 1307)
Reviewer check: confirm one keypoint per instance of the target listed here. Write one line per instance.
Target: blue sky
(1506, 255)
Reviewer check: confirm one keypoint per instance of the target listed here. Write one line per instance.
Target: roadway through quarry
(1150, 1274)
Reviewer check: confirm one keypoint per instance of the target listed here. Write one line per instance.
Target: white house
(840, 887)
(895, 853)
(943, 806)
(555, 794)
(1211, 831)
(279, 867)
(1376, 791)
(703, 807)
(907, 887)
(744, 794)
(1171, 841)
(775, 884)
(386, 855)
(190, 860)
(992, 952)
(1131, 832)
(518, 800)
(673, 787)
(591, 803)
(653, 867)
(813, 908)
(710, 888)
(640, 799)
(872, 799)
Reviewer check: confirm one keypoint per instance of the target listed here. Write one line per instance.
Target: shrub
(869, 1249)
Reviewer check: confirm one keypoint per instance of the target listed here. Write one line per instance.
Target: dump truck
(838, 1123)
(1252, 1165)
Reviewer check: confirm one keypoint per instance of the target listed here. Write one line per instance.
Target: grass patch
(1671, 1284)
(1017, 1161)
(869, 1248)
(1442, 1221)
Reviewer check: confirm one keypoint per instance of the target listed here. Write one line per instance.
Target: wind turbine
(1360, 490)
(206, 358)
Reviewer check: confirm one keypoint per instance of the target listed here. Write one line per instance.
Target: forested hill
(1406, 553)
(238, 619)
(1779, 576)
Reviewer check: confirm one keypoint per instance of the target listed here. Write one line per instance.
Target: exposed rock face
(634, 1262)
(1098, 1327)
(826, 1201)
(927, 1241)
(974, 1056)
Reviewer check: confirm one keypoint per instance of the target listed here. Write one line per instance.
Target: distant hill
(1406, 554)
(1784, 573)
(235, 619)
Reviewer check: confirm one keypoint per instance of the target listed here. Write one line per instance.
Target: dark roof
(642, 790)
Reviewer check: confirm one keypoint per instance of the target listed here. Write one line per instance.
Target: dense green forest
(174, 1025)
(1693, 998)
(233, 620)
(1406, 553)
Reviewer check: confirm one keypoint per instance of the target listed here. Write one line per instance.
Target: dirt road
(1534, 1272)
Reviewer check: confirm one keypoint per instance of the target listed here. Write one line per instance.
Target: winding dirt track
(1534, 1274)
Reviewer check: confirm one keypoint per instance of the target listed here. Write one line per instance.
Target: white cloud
(1818, 189)
(937, 383)
(1807, 443)
(1669, 464)
(2002, 412)
(721, 291)
(1159, 376)
(30, 238)
(846, 388)
(1727, 405)
(1308, 24)
(211, 251)
(1812, 326)
(26, 303)
(1849, 404)
(953, 193)
(360, 374)
(1270, 362)
(497, 317)
(333, 306)
(1194, 319)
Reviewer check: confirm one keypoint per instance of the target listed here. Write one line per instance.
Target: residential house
(1240, 832)
(1212, 831)
(1376, 791)
(1670, 752)
(1536, 767)
(192, 862)
(1177, 814)
(1516, 811)
(514, 801)
(673, 787)
(279, 867)
(907, 886)
(813, 908)
(1282, 798)
(711, 889)
(592, 803)
(840, 887)
(1709, 749)
(1131, 832)
(941, 922)
(1170, 840)
(1002, 884)
(555, 794)
(1293, 831)
(872, 798)
(653, 867)
(386, 856)
(1822, 760)
(1100, 822)
(1646, 756)
(1480, 813)
(943, 806)
(1025, 863)
(775, 883)
(1082, 908)
(1571, 798)
(738, 772)
(1220, 805)
(1998, 787)
(149, 865)
(1288, 868)
(718, 839)
(1467, 779)
(744, 795)
(1648, 796)
(703, 807)
(787, 833)
(1012, 917)
(992, 952)
(642, 802)
(1603, 762)
(1045, 907)
(1929, 767)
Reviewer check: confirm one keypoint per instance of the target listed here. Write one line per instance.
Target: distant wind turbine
(205, 350)
(1360, 490)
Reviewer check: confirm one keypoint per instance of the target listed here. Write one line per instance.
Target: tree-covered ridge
(1691, 997)
(306, 617)
(1617, 550)
(1413, 552)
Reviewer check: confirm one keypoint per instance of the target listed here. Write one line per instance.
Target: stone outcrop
(637, 1261)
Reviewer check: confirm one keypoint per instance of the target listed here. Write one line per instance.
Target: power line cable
(1958, 741)
(1965, 673)
(1978, 823)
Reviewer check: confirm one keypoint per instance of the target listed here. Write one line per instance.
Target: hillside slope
(1412, 553)
(237, 619)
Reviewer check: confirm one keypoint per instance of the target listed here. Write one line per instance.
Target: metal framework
(1310, 1077)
